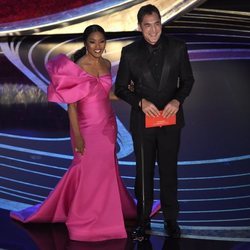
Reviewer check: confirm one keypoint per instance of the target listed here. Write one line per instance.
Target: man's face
(151, 28)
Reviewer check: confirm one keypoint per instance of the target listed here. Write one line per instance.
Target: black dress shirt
(155, 59)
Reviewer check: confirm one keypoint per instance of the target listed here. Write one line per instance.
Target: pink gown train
(90, 198)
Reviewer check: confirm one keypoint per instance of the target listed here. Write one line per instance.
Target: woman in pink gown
(90, 198)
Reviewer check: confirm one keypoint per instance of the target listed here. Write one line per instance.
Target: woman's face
(95, 44)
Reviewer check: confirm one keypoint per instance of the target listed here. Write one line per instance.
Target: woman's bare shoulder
(107, 63)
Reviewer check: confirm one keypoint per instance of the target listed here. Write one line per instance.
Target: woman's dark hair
(89, 30)
(148, 9)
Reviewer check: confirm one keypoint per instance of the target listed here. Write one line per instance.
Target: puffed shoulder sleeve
(68, 82)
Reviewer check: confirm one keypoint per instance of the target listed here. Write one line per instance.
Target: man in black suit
(158, 67)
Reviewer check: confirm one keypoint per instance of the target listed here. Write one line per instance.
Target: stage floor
(15, 236)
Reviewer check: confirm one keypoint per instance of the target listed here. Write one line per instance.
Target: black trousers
(161, 145)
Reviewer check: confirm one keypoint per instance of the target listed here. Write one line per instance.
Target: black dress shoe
(139, 233)
(172, 228)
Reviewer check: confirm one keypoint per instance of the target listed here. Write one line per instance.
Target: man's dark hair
(148, 9)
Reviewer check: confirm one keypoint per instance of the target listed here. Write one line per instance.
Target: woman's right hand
(79, 145)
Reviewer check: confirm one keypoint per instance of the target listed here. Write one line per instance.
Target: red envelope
(159, 121)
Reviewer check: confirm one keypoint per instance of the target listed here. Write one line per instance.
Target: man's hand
(149, 108)
(171, 108)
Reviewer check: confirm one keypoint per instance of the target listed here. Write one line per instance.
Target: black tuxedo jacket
(176, 78)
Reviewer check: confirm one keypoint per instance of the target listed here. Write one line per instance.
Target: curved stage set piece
(214, 173)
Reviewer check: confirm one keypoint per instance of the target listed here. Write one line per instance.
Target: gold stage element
(120, 16)
(126, 18)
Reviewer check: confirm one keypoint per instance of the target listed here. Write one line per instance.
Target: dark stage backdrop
(214, 159)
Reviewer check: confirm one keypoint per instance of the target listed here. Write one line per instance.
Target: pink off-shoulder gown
(90, 198)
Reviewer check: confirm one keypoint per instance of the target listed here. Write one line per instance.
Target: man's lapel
(142, 60)
(166, 64)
